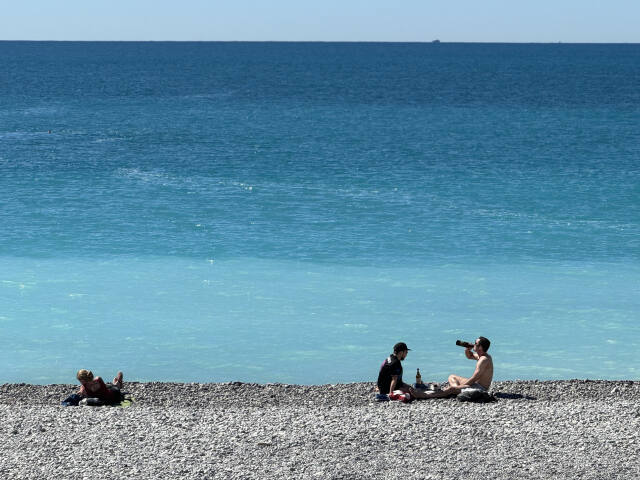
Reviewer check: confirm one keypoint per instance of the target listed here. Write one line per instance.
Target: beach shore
(551, 429)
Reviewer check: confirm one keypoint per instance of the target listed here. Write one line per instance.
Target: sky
(591, 21)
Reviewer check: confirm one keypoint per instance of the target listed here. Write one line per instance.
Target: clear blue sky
(324, 20)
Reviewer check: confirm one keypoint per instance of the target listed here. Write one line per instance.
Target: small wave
(151, 177)
(43, 110)
(62, 326)
(357, 326)
(208, 96)
(19, 285)
(107, 140)
(244, 186)
(348, 348)
(23, 135)
(194, 184)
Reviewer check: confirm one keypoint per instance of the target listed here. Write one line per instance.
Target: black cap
(400, 347)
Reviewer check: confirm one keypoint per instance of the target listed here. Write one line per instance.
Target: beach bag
(71, 400)
(475, 395)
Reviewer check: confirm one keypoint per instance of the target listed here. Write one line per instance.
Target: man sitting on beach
(482, 376)
(390, 376)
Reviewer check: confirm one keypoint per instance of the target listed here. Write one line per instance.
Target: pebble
(536, 429)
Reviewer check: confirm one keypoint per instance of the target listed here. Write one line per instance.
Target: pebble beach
(535, 429)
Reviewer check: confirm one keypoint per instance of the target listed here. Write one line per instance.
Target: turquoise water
(287, 212)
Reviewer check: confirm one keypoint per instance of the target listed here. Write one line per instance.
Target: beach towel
(404, 397)
(126, 400)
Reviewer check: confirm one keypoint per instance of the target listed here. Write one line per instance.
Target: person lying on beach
(481, 378)
(96, 388)
(390, 375)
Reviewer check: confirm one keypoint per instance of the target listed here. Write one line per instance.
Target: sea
(287, 212)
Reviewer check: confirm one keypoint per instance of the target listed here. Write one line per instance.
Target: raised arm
(471, 355)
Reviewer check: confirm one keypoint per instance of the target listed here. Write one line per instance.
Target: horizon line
(434, 41)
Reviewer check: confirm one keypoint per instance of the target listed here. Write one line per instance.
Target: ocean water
(286, 212)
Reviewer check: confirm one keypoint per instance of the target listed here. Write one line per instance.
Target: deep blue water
(289, 211)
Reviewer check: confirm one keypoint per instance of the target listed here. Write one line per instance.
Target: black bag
(475, 395)
(71, 400)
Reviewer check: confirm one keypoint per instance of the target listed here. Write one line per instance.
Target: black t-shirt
(390, 367)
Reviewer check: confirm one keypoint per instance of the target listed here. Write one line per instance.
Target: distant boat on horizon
(435, 41)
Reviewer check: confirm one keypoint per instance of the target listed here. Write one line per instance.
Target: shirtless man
(482, 376)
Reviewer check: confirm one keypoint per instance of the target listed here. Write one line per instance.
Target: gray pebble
(569, 429)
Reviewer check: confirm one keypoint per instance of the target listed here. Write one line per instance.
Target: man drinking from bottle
(482, 376)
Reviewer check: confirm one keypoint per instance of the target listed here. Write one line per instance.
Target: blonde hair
(84, 375)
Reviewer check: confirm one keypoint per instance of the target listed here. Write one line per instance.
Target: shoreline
(536, 429)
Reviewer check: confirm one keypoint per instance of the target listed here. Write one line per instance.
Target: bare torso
(484, 371)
